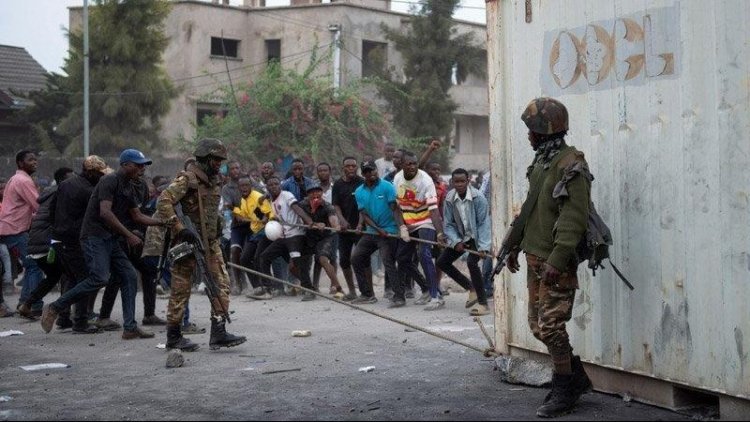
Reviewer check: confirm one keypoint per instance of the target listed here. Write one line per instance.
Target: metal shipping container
(659, 98)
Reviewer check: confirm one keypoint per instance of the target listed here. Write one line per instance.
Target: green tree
(50, 105)
(431, 48)
(130, 89)
(284, 111)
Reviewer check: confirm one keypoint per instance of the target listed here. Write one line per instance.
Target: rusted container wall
(659, 101)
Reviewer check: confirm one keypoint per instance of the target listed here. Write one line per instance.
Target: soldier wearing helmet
(197, 192)
(553, 220)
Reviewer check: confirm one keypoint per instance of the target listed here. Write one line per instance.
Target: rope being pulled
(486, 352)
(392, 236)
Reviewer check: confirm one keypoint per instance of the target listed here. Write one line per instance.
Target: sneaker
(63, 323)
(307, 297)
(49, 314)
(472, 300)
(5, 312)
(277, 292)
(365, 300)
(338, 295)
(191, 328)
(24, 311)
(388, 294)
(397, 303)
(153, 320)
(160, 290)
(256, 293)
(107, 324)
(349, 297)
(434, 305)
(409, 294)
(136, 334)
(479, 310)
(87, 329)
(424, 299)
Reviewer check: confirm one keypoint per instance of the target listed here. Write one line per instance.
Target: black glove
(186, 235)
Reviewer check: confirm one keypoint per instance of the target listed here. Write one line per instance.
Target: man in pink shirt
(19, 206)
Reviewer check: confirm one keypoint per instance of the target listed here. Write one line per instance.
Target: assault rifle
(510, 242)
(164, 254)
(201, 266)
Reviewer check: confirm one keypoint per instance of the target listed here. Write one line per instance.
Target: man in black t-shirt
(112, 199)
(320, 242)
(348, 215)
(148, 272)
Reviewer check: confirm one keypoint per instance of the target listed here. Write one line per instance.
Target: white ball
(274, 231)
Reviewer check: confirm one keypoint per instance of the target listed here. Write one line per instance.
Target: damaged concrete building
(254, 34)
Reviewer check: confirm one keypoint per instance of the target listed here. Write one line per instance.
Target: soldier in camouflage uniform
(552, 229)
(199, 178)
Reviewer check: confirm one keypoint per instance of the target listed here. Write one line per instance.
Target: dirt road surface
(416, 376)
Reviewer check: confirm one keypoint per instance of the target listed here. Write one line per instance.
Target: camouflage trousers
(550, 308)
(182, 276)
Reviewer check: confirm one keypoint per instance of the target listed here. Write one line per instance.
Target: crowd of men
(103, 229)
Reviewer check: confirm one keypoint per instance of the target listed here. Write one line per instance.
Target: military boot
(220, 338)
(581, 383)
(175, 340)
(561, 399)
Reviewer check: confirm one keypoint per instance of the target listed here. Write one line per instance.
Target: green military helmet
(210, 146)
(545, 116)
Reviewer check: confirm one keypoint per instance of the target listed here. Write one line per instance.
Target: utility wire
(218, 73)
(421, 3)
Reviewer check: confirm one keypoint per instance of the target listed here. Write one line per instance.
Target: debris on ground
(161, 346)
(175, 359)
(301, 333)
(5, 398)
(11, 333)
(44, 366)
(280, 371)
(366, 369)
(515, 370)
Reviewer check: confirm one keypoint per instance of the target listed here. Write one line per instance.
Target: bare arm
(302, 214)
(397, 215)
(363, 216)
(333, 221)
(344, 223)
(144, 220)
(105, 212)
(434, 146)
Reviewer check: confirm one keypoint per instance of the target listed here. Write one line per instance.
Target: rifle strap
(202, 216)
(622, 277)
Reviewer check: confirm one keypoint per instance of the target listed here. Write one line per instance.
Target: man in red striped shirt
(417, 199)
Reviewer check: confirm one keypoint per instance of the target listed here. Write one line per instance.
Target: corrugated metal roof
(19, 72)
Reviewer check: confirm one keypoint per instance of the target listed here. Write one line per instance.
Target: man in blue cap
(114, 200)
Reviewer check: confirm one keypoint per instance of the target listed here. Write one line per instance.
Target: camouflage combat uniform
(184, 190)
(551, 233)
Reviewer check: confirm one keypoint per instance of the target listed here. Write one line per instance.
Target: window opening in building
(273, 50)
(374, 58)
(208, 110)
(232, 47)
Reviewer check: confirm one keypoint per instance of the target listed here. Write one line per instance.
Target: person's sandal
(479, 310)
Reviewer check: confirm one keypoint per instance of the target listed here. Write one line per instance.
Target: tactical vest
(210, 197)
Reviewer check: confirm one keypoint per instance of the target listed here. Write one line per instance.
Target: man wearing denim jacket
(467, 226)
